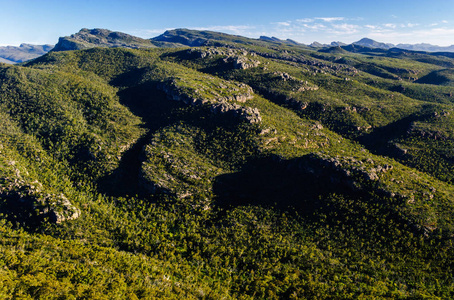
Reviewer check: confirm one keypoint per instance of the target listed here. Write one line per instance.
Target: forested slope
(238, 168)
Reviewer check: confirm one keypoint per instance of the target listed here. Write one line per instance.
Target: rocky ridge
(90, 38)
(219, 104)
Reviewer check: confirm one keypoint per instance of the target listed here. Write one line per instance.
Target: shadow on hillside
(300, 184)
(310, 188)
(155, 110)
(380, 140)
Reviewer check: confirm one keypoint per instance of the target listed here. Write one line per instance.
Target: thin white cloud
(342, 29)
(411, 25)
(436, 36)
(333, 19)
(315, 27)
(282, 23)
(444, 22)
(436, 32)
(226, 27)
(234, 29)
(408, 25)
(373, 27)
(345, 28)
(147, 33)
(305, 20)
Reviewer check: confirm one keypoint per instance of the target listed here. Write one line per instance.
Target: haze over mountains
(88, 38)
(230, 168)
(12, 54)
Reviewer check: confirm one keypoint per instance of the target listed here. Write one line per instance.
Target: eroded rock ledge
(218, 105)
(27, 201)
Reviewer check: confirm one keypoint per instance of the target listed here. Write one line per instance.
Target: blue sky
(391, 21)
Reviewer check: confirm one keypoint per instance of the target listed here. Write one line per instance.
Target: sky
(390, 21)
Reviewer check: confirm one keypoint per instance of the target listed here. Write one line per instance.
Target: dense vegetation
(237, 169)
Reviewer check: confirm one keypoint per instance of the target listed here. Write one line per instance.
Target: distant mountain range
(90, 38)
(366, 42)
(12, 54)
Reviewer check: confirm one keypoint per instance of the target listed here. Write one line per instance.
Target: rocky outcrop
(90, 38)
(312, 65)
(249, 114)
(209, 52)
(182, 36)
(29, 202)
(172, 166)
(237, 58)
(242, 62)
(297, 84)
(68, 44)
(219, 105)
(349, 172)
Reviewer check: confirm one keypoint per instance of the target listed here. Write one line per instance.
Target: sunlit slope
(251, 171)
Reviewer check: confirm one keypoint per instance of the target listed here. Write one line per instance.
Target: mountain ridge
(370, 43)
(12, 54)
(89, 38)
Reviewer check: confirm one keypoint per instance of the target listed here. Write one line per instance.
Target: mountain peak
(269, 39)
(370, 43)
(98, 37)
(316, 44)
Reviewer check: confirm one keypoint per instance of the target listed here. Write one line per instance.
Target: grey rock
(29, 196)
(90, 38)
(221, 105)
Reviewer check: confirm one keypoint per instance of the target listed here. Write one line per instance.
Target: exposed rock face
(237, 58)
(352, 167)
(66, 44)
(90, 38)
(249, 114)
(208, 52)
(242, 62)
(166, 171)
(28, 200)
(181, 36)
(220, 105)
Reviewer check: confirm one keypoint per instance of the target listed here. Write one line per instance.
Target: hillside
(226, 168)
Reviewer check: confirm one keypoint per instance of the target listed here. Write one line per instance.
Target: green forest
(200, 165)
